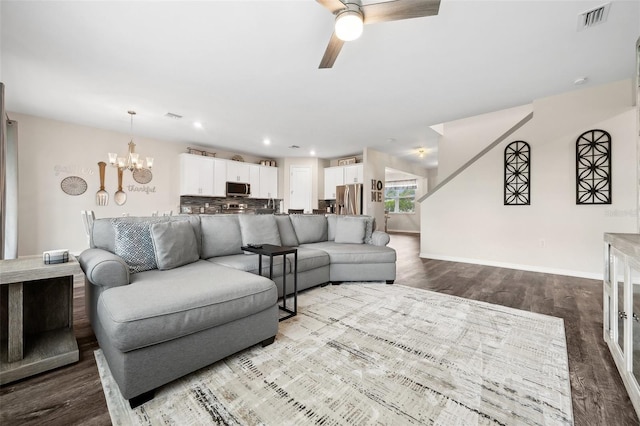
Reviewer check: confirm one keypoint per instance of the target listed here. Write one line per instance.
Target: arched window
(517, 168)
(593, 168)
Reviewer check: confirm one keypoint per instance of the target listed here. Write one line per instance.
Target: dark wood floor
(73, 394)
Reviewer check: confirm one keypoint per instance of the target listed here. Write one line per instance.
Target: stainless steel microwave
(238, 189)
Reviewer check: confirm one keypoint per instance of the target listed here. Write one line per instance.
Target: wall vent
(593, 17)
(172, 115)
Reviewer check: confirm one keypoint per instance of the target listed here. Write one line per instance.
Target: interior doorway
(300, 186)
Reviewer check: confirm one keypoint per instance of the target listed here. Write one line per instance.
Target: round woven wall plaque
(73, 185)
(142, 176)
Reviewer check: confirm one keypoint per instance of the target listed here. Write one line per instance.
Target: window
(400, 196)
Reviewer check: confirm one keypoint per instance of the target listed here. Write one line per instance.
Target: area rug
(362, 354)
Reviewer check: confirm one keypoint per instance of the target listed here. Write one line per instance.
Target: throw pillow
(350, 230)
(369, 220)
(309, 228)
(220, 235)
(133, 243)
(331, 227)
(174, 244)
(287, 233)
(259, 229)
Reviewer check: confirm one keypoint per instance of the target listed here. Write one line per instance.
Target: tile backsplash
(213, 205)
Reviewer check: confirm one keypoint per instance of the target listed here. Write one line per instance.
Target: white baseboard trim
(403, 231)
(530, 268)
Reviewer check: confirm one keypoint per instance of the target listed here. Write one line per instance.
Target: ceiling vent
(172, 115)
(593, 17)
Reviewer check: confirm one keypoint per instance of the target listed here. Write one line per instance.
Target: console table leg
(15, 349)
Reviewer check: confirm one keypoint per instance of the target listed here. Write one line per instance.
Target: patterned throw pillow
(134, 244)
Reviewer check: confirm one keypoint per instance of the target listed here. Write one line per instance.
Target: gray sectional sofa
(169, 295)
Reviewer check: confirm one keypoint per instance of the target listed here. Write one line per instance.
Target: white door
(300, 186)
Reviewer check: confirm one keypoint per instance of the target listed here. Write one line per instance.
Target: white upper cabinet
(220, 178)
(208, 176)
(341, 175)
(196, 175)
(238, 171)
(254, 180)
(333, 176)
(268, 182)
(354, 173)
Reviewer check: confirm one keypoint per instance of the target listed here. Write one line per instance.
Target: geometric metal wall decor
(593, 168)
(517, 168)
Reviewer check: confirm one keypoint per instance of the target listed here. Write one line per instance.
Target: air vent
(593, 17)
(294, 147)
(172, 115)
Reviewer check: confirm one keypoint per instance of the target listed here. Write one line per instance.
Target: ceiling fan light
(349, 25)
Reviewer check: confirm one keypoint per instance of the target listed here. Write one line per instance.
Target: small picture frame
(346, 161)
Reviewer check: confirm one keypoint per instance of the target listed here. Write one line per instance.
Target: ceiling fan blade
(397, 10)
(332, 5)
(333, 49)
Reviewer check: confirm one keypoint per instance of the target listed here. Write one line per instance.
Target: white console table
(37, 316)
(621, 308)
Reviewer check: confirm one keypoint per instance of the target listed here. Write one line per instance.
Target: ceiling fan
(351, 15)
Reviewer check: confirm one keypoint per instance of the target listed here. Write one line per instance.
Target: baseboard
(403, 231)
(530, 268)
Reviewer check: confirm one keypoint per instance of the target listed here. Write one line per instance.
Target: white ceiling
(249, 69)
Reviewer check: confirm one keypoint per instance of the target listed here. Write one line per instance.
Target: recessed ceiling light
(312, 153)
(580, 80)
(391, 140)
(266, 141)
(197, 125)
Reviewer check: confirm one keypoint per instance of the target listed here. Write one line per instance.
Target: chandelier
(132, 161)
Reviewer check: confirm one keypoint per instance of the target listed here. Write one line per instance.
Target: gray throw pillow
(287, 233)
(331, 227)
(220, 235)
(134, 245)
(310, 228)
(259, 229)
(174, 243)
(369, 220)
(350, 230)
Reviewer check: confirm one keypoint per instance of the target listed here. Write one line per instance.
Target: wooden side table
(37, 316)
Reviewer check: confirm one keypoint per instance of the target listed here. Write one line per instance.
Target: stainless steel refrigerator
(349, 199)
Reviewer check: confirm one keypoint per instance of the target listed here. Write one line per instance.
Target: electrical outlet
(542, 242)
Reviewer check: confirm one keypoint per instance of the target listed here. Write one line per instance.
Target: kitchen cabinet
(341, 175)
(196, 175)
(354, 173)
(268, 182)
(254, 180)
(238, 171)
(207, 176)
(333, 176)
(219, 177)
(621, 313)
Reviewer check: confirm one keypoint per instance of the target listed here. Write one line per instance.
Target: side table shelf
(37, 316)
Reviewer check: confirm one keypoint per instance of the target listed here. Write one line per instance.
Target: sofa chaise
(169, 295)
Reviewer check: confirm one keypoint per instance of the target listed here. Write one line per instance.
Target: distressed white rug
(362, 354)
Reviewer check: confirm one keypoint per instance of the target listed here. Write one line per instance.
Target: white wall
(375, 163)
(467, 221)
(50, 150)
